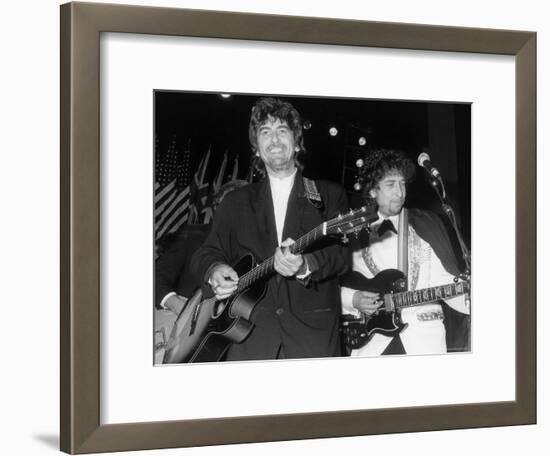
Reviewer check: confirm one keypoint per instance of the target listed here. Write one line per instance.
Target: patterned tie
(386, 226)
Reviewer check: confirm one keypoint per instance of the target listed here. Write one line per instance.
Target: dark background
(199, 121)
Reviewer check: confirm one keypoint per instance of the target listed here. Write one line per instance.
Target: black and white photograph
(293, 227)
(262, 228)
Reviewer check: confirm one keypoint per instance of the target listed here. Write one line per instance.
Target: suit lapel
(295, 209)
(293, 216)
(265, 219)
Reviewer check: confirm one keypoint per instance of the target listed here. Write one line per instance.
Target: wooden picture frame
(81, 25)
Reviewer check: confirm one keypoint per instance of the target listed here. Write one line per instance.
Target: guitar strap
(312, 194)
(403, 243)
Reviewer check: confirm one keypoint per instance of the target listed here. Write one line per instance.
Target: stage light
(357, 186)
(362, 141)
(307, 125)
(359, 163)
(333, 131)
(225, 95)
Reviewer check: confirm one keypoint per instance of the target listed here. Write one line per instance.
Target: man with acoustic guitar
(297, 308)
(174, 284)
(402, 296)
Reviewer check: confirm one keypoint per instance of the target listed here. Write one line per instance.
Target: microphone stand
(439, 187)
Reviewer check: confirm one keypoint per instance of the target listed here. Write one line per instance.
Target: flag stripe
(177, 201)
(173, 217)
(160, 206)
(165, 190)
(178, 220)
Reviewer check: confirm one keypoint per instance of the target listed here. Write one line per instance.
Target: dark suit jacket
(430, 228)
(302, 320)
(172, 268)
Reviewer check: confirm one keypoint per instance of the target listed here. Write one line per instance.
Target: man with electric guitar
(293, 312)
(403, 295)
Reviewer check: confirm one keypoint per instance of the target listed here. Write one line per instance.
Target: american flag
(180, 199)
(171, 189)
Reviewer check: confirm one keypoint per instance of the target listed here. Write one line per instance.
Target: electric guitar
(206, 328)
(391, 284)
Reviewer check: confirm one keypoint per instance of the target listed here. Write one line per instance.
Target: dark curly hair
(381, 162)
(285, 112)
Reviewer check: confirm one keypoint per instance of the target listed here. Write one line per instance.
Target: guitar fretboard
(266, 267)
(426, 295)
(352, 222)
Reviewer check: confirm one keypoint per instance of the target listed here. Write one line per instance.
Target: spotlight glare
(225, 95)
(357, 186)
(362, 141)
(359, 163)
(333, 131)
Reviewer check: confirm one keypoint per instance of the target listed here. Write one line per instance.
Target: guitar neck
(427, 295)
(266, 267)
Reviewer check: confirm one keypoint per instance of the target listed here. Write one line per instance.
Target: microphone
(424, 161)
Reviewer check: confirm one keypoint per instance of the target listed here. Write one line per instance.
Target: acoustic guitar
(206, 328)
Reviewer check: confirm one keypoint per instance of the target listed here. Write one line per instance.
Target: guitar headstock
(353, 221)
